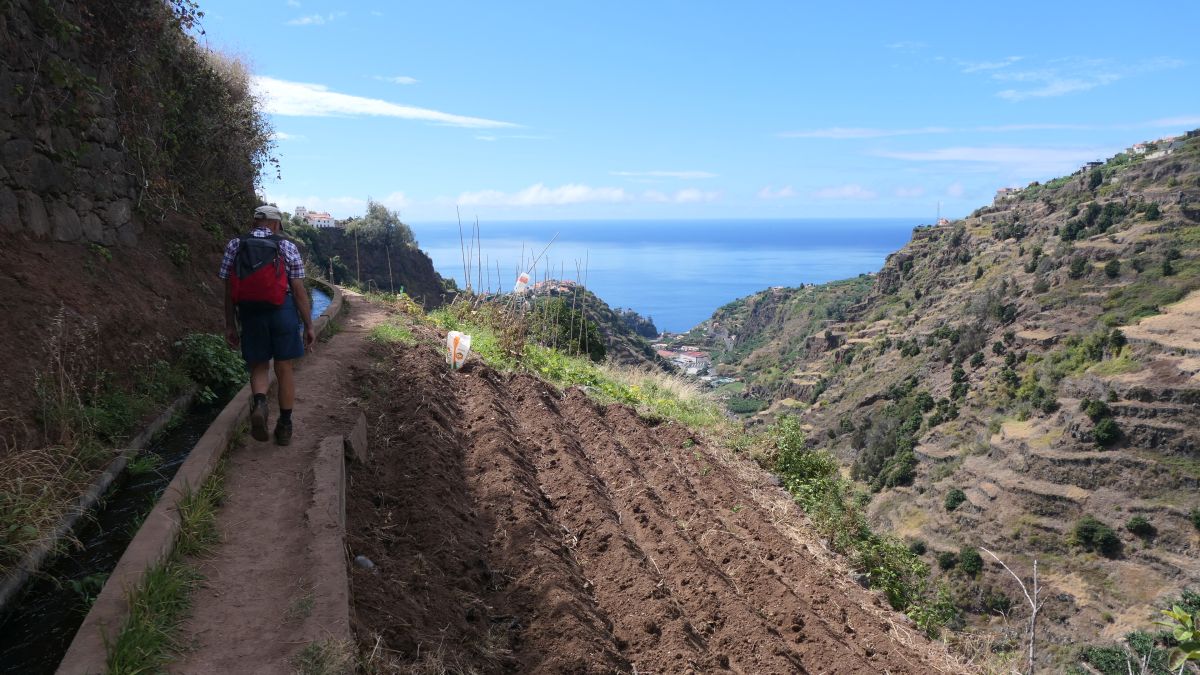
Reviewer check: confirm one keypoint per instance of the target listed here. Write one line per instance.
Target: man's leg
(260, 381)
(286, 383)
(260, 378)
(286, 346)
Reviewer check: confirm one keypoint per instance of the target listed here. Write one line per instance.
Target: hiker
(264, 280)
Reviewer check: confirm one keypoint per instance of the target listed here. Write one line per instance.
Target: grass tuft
(327, 657)
(157, 606)
(392, 332)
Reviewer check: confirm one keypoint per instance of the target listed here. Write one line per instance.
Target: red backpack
(259, 278)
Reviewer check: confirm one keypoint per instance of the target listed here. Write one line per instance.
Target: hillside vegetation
(1026, 379)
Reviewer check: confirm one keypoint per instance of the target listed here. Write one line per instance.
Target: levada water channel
(37, 629)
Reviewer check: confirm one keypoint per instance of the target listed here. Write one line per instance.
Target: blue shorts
(272, 333)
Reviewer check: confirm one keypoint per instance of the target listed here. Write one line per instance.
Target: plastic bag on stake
(522, 283)
(458, 345)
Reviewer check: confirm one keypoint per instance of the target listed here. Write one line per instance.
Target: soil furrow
(519, 529)
(562, 630)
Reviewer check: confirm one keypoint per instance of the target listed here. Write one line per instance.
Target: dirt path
(256, 609)
(519, 529)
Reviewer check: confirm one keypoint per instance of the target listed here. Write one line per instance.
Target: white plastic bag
(458, 345)
(522, 283)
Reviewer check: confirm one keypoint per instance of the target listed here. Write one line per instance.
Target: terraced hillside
(1008, 376)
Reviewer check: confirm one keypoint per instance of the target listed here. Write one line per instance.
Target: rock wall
(103, 106)
(64, 172)
(128, 155)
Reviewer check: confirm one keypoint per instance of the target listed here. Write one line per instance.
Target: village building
(316, 218)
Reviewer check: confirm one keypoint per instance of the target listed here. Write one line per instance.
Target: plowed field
(516, 528)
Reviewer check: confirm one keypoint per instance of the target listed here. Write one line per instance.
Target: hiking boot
(258, 420)
(283, 432)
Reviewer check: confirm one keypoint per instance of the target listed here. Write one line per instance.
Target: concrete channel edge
(156, 537)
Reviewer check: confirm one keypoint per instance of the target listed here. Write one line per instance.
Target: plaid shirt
(291, 255)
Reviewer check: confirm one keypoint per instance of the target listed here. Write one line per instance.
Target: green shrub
(1078, 267)
(918, 546)
(954, 498)
(970, 561)
(1106, 432)
(837, 512)
(745, 406)
(1112, 268)
(977, 359)
(997, 602)
(1195, 516)
(1096, 410)
(1094, 535)
(1140, 526)
(947, 560)
(211, 364)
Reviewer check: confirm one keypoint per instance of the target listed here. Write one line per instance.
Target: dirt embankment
(515, 528)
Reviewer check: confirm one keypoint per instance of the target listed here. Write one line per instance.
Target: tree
(954, 498)
(1078, 267)
(1140, 526)
(1106, 432)
(381, 225)
(1112, 269)
(970, 561)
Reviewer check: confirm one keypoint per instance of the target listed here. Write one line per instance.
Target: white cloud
(862, 132)
(284, 136)
(850, 191)
(300, 99)
(540, 195)
(909, 192)
(843, 133)
(376, 13)
(955, 190)
(692, 195)
(769, 192)
(293, 3)
(1059, 77)
(1183, 122)
(485, 138)
(1058, 87)
(340, 207)
(316, 19)
(1000, 155)
(682, 175)
(575, 193)
(907, 45)
(397, 79)
(974, 67)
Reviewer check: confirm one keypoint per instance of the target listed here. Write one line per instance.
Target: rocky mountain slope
(1026, 379)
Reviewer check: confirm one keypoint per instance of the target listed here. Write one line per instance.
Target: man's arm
(304, 309)
(231, 331)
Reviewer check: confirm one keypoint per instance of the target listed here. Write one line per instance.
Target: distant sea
(674, 271)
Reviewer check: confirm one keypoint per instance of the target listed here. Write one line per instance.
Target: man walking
(264, 291)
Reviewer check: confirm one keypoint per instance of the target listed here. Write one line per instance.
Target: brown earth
(516, 528)
(119, 308)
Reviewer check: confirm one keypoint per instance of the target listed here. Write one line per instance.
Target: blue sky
(679, 109)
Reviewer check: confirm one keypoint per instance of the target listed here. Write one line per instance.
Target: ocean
(674, 271)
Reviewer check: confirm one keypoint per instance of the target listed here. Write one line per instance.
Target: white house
(320, 219)
(315, 218)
